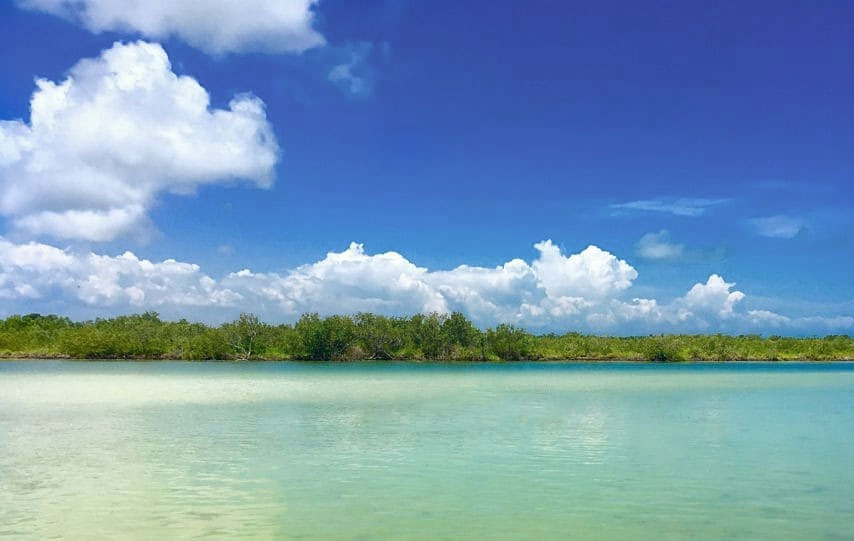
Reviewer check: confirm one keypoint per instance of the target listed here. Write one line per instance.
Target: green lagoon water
(105, 450)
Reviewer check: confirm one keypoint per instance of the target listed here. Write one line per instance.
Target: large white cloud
(590, 273)
(715, 296)
(344, 282)
(214, 26)
(552, 286)
(120, 128)
(582, 291)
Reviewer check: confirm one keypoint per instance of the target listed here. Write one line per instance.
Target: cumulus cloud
(121, 128)
(685, 206)
(214, 26)
(779, 227)
(658, 246)
(591, 273)
(39, 271)
(716, 296)
(581, 291)
(704, 305)
(347, 281)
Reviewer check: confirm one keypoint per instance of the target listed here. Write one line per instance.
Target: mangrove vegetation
(365, 336)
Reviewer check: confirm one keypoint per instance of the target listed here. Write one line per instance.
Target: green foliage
(368, 336)
(31, 332)
(246, 335)
(379, 337)
(663, 349)
(426, 335)
(207, 344)
(140, 335)
(325, 339)
(283, 342)
(459, 331)
(509, 343)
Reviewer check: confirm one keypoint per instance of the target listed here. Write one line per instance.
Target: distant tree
(310, 331)
(284, 342)
(243, 335)
(508, 342)
(426, 333)
(207, 343)
(325, 339)
(378, 336)
(457, 330)
(663, 349)
(340, 334)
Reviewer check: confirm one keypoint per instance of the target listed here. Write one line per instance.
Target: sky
(612, 167)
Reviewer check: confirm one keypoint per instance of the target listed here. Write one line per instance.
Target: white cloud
(766, 317)
(344, 282)
(39, 271)
(592, 273)
(705, 305)
(214, 26)
(715, 296)
(680, 207)
(552, 286)
(121, 128)
(582, 291)
(780, 227)
(657, 246)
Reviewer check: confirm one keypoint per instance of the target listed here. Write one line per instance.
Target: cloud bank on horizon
(587, 290)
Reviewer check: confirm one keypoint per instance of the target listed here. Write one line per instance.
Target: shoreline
(12, 357)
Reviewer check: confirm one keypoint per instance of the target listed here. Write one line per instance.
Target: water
(97, 450)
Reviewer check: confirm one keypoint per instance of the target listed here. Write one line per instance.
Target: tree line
(366, 336)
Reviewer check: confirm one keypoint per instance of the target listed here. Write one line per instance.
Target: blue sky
(685, 139)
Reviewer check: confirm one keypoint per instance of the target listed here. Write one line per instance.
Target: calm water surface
(102, 450)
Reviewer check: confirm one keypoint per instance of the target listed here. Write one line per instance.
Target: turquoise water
(98, 450)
